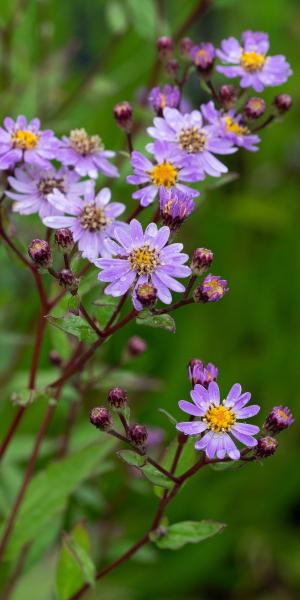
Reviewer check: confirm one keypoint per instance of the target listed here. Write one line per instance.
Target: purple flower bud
(168, 96)
(40, 252)
(185, 46)
(136, 346)
(117, 398)
(138, 435)
(201, 261)
(283, 103)
(200, 373)
(203, 56)
(64, 239)
(101, 417)
(211, 289)
(146, 294)
(254, 108)
(172, 66)
(123, 115)
(280, 418)
(175, 207)
(266, 446)
(68, 280)
(228, 95)
(165, 46)
(54, 358)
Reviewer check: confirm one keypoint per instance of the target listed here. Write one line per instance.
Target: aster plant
(101, 271)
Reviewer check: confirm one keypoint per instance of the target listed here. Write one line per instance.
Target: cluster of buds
(280, 418)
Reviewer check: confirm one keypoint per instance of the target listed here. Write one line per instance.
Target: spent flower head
(86, 154)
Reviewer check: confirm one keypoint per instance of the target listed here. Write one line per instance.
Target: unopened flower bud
(40, 252)
(138, 435)
(254, 108)
(280, 418)
(101, 417)
(185, 46)
(68, 280)
(117, 398)
(136, 346)
(266, 446)
(146, 294)
(211, 289)
(200, 373)
(123, 115)
(203, 56)
(228, 95)
(172, 66)
(54, 358)
(283, 103)
(165, 47)
(64, 239)
(201, 261)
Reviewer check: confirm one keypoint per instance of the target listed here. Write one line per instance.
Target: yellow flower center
(233, 126)
(252, 61)
(219, 418)
(84, 143)
(164, 174)
(23, 139)
(213, 287)
(192, 140)
(163, 101)
(93, 218)
(144, 259)
(282, 414)
(199, 55)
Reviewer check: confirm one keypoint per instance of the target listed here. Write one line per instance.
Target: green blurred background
(70, 62)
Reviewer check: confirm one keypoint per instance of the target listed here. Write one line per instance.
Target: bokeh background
(70, 62)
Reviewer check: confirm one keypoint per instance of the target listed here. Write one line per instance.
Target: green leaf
(162, 321)
(168, 415)
(75, 566)
(49, 491)
(76, 326)
(224, 180)
(231, 465)
(143, 17)
(116, 16)
(151, 473)
(177, 535)
(25, 397)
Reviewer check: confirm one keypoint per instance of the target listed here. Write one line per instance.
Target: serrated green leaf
(177, 535)
(162, 321)
(75, 325)
(132, 458)
(151, 473)
(231, 465)
(49, 491)
(75, 566)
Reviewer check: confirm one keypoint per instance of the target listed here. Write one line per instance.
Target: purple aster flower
(143, 258)
(230, 126)
(86, 154)
(211, 289)
(203, 56)
(166, 173)
(175, 207)
(201, 373)
(195, 143)
(250, 62)
(279, 418)
(219, 419)
(92, 219)
(25, 141)
(159, 98)
(32, 187)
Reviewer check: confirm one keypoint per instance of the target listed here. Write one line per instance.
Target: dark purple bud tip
(228, 95)
(40, 252)
(280, 418)
(266, 446)
(254, 108)
(172, 66)
(165, 46)
(185, 46)
(55, 358)
(136, 345)
(117, 398)
(146, 294)
(201, 261)
(68, 280)
(138, 435)
(211, 289)
(283, 103)
(64, 239)
(123, 115)
(101, 417)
